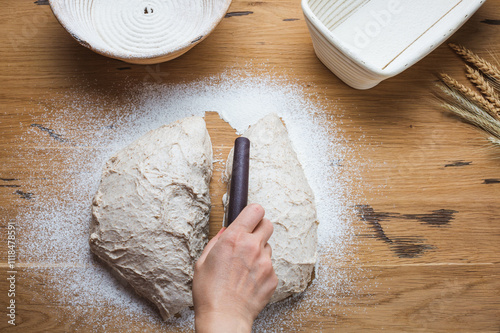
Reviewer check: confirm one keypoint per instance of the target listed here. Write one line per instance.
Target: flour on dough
(150, 214)
(277, 182)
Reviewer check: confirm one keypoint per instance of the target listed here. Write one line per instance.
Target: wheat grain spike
(471, 95)
(460, 101)
(495, 141)
(484, 87)
(474, 119)
(481, 64)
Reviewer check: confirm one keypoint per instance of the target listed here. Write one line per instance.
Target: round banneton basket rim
(165, 54)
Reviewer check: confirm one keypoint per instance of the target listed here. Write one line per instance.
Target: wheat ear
(460, 101)
(495, 141)
(487, 125)
(471, 95)
(484, 86)
(481, 64)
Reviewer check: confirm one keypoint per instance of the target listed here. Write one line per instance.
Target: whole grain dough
(277, 182)
(151, 211)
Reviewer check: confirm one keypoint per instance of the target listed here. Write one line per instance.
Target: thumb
(210, 245)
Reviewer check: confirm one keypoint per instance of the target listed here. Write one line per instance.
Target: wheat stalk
(484, 66)
(484, 87)
(471, 95)
(495, 83)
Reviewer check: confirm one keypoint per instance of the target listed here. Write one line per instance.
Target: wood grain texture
(428, 190)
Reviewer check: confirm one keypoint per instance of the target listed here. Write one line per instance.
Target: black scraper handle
(238, 192)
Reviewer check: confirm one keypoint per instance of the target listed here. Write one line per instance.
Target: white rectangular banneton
(366, 41)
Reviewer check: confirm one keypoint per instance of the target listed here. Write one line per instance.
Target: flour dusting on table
(56, 227)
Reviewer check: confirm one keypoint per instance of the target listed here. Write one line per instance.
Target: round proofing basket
(140, 32)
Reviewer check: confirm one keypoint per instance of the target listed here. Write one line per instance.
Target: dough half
(150, 213)
(277, 182)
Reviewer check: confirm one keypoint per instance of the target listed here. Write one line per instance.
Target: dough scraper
(238, 186)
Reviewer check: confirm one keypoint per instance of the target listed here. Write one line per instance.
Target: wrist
(211, 322)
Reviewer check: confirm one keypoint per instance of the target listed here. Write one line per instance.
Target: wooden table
(428, 229)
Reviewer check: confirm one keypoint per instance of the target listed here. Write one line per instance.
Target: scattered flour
(55, 227)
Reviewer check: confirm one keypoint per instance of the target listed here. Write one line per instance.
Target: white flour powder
(55, 223)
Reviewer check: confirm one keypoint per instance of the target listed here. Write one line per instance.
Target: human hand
(234, 277)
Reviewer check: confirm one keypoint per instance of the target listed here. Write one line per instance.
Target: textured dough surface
(278, 183)
(150, 214)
